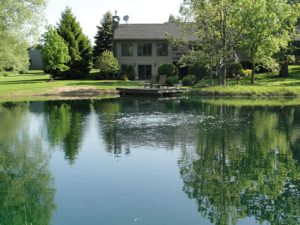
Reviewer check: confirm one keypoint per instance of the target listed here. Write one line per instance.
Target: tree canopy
(228, 29)
(19, 23)
(104, 36)
(55, 53)
(80, 49)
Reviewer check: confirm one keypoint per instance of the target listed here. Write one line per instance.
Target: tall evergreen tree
(79, 46)
(104, 36)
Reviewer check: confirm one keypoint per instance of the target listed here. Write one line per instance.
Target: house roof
(147, 31)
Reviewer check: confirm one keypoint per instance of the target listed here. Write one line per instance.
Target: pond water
(147, 161)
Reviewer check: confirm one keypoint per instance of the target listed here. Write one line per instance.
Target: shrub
(189, 80)
(199, 70)
(128, 71)
(5, 74)
(167, 69)
(108, 65)
(124, 77)
(171, 80)
(235, 68)
(22, 71)
(9, 68)
(246, 73)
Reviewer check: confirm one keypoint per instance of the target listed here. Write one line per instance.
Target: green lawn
(36, 83)
(267, 84)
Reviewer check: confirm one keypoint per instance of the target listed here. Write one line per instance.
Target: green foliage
(246, 72)
(199, 70)
(235, 68)
(171, 80)
(27, 188)
(214, 27)
(258, 29)
(189, 80)
(19, 23)
(124, 77)
(129, 72)
(65, 123)
(104, 36)
(5, 74)
(55, 53)
(13, 51)
(266, 27)
(242, 185)
(79, 46)
(167, 69)
(108, 65)
(172, 19)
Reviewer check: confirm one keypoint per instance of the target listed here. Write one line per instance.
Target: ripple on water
(155, 120)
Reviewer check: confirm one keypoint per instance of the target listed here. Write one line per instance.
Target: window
(127, 49)
(162, 49)
(145, 72)
(144, 49)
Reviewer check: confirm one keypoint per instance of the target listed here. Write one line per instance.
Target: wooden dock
(171, 91)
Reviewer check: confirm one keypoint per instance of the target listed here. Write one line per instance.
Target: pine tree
(104, 36)
(80, 49)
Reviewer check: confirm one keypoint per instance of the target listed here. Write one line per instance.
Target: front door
(145, 72)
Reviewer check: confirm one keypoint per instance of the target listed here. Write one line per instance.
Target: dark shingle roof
(146, 31)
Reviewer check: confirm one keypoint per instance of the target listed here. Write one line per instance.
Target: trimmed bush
(235, 68)
(171, 80)
(167, 69)
(189, 80)
(108, 65)
(5, 74)
(129, 72)
(246, 73)
(199, 70)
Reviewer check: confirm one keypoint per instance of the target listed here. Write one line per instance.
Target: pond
(148, 161)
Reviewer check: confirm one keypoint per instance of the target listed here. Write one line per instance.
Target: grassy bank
(266, 85)
(35, 84)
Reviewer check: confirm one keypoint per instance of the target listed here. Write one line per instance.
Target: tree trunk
(253, 72)
(223, 75)
(284, 70)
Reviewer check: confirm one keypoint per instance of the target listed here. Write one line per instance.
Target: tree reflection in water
(26, 185)
(66, 123)
(246, 169)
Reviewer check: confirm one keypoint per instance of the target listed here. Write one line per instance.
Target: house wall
(35, 59)
(136, 60)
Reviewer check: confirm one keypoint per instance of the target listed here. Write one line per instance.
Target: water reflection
(26, 185)
(66, 123)
(234, 162)
(246, 168)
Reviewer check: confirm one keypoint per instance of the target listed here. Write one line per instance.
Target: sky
(90, 12)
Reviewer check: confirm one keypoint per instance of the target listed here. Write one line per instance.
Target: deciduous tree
(211, 21)
(108, 64)
(19, 23)
(266, 29)
(55, 53)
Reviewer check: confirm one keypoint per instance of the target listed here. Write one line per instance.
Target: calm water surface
(139, 161)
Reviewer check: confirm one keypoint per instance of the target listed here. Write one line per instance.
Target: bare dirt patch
(86, 91)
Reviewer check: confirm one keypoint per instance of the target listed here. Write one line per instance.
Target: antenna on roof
(116, 20)
(126, 18)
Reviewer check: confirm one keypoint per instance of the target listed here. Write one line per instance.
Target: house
(35, 59)
(146, 46)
